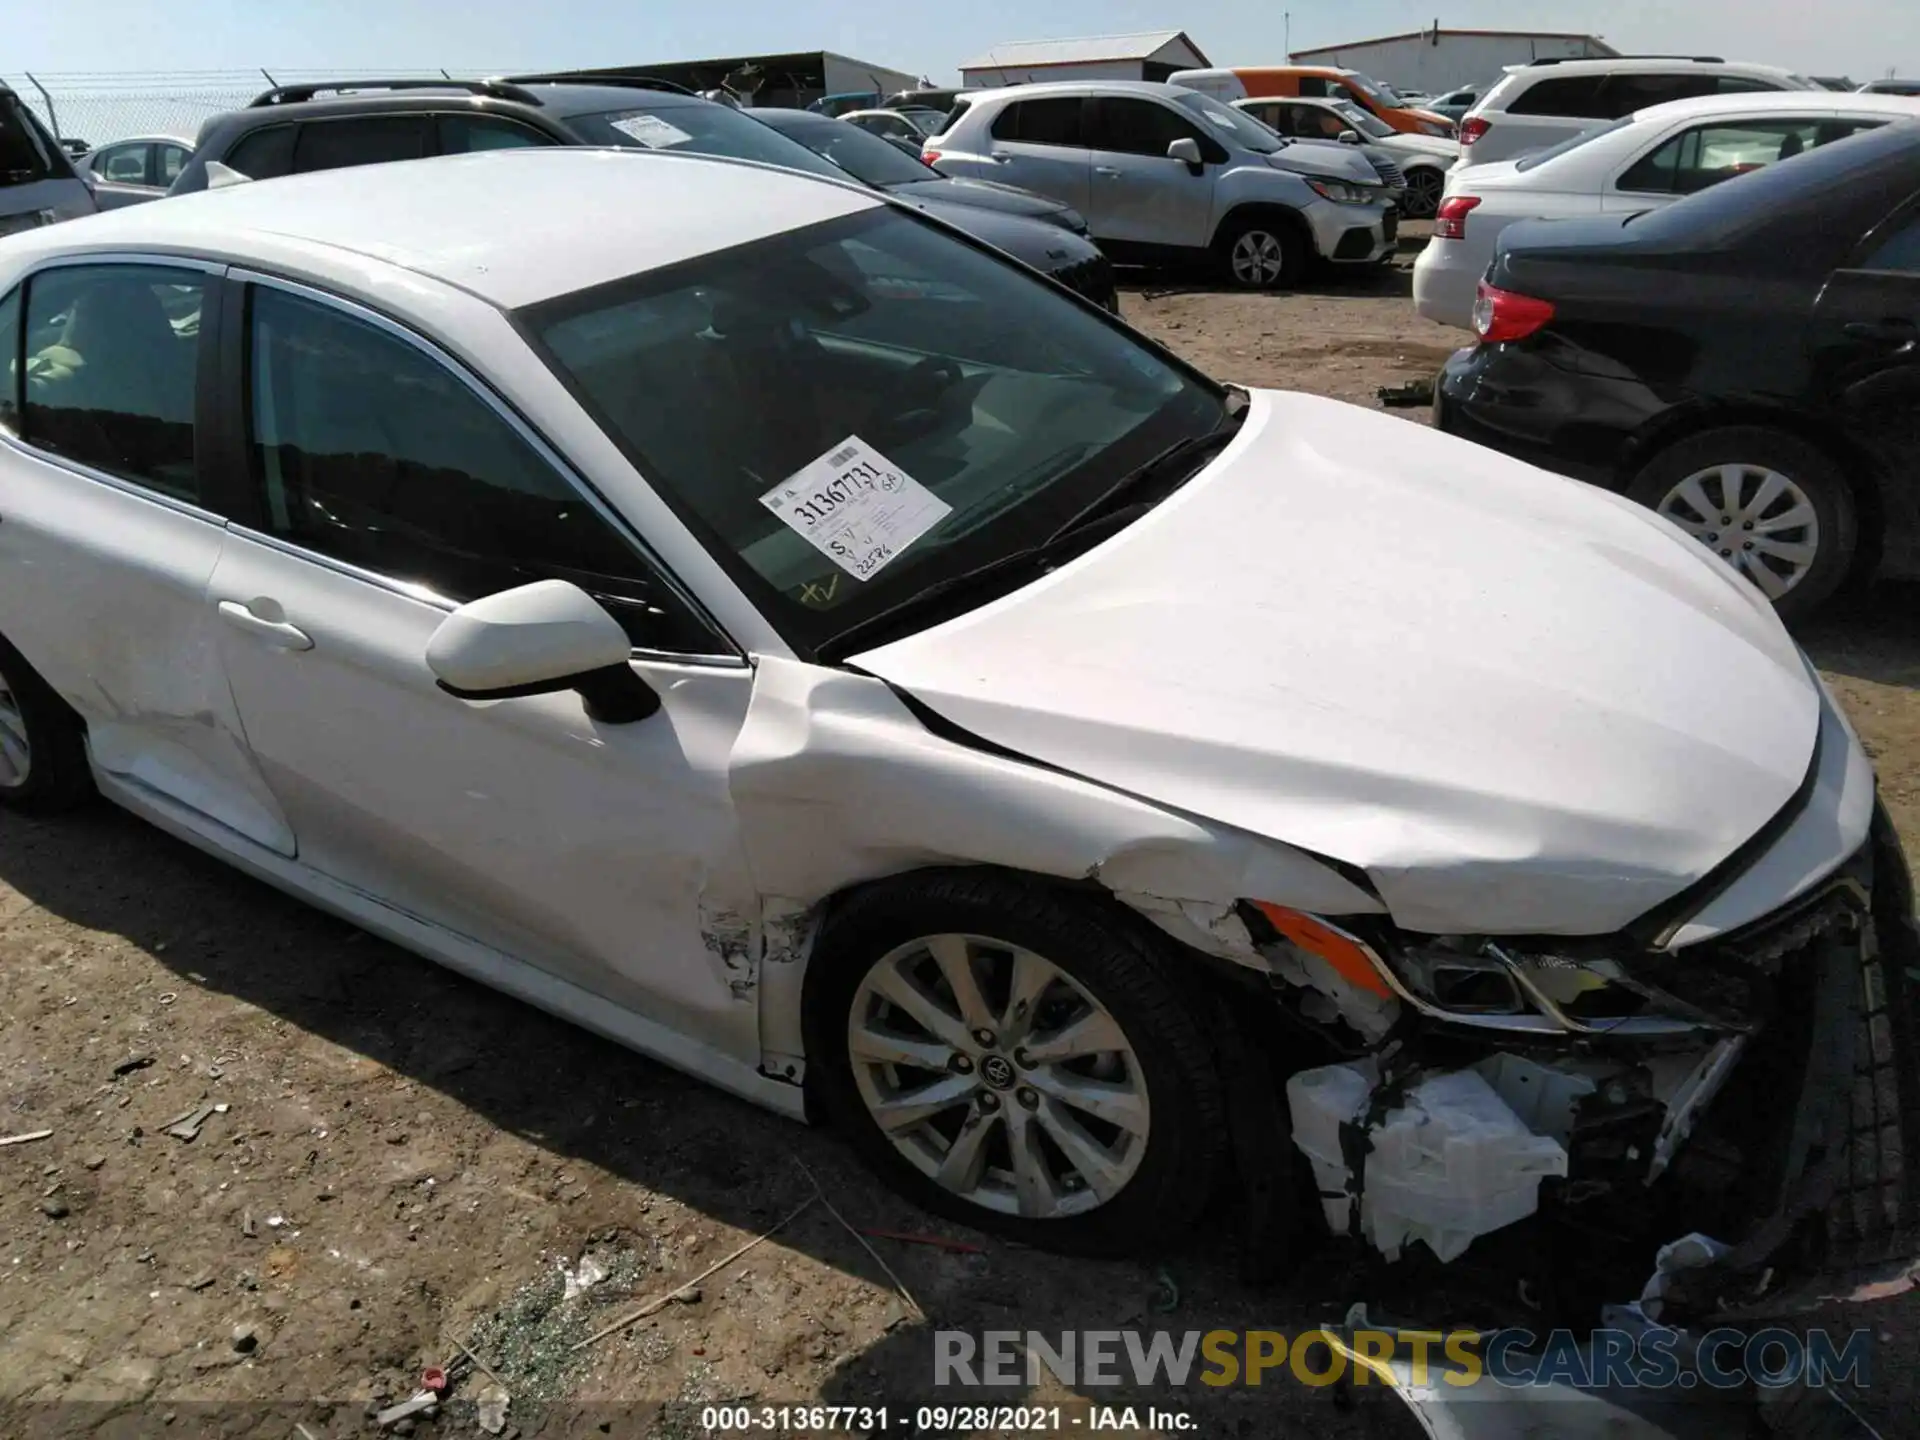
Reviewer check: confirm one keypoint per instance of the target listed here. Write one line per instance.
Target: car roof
(1632, 64)
(1050, 88)
(575, 217)
(558, 100)
(155, 139)
(1783, 102)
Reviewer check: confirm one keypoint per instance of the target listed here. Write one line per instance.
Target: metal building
(1435, 61)
(1150, 55)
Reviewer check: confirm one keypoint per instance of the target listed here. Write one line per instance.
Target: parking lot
(400, 1162)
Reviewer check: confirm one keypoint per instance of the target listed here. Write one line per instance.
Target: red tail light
(1472, 129)
(1500, 315)
(1450, 220)
(929, 157)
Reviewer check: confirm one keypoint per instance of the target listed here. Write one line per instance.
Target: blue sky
(1859, 37)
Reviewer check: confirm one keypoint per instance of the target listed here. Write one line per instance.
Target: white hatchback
(769, 628)
(1649, 159)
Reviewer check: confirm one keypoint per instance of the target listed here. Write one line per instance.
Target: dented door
(110, 528)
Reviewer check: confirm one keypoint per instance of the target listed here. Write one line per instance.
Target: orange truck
(1330, 81)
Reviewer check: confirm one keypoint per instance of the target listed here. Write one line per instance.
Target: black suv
(293, 130)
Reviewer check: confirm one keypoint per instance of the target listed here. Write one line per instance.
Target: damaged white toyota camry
(773, 631)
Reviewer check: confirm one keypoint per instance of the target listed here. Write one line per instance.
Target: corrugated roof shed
(1593, 41)
(1032, 54)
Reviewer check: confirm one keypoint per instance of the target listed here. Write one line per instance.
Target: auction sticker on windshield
(650, 131)
(856, 507)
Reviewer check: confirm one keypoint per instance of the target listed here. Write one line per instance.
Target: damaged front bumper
(1562, 1114)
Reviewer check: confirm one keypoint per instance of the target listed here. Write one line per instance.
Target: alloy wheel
(16, 753)
(1754, 518)
(998, 1076)
(1424, 188)
(1257, 258)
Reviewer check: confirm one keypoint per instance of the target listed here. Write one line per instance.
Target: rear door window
(1697, 159)
(169, 161)
(368, 140)
(1574, 96)
(1622, 95)
(264, 155)
(112, 356)
(1042, 122)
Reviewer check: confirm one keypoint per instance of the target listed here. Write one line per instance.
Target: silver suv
(1164, 173)
(1534, 106)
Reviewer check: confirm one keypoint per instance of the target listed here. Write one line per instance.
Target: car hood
(1007, 199)
(1520, 704)
(1045, 247)
(1325, 157)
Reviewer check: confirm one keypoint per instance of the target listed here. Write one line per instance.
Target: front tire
(1017, 1059)
(1767, 503)
(1261, 253)
(43, 753)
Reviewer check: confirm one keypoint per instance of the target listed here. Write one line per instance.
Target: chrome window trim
(548, 454)
(79, 468)
(82, 471)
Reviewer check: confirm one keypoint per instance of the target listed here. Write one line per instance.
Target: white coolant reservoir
(1450, 1163)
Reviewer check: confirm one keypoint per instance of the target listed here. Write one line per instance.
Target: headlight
(1070, 219)
(1489, 984)
(1444, 132)
(1344, 192)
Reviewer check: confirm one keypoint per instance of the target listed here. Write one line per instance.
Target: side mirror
(536, 640)
(1349, 137)
(1186, 150)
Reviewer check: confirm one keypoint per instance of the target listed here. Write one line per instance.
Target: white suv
(1166, 173)
(1550, 100)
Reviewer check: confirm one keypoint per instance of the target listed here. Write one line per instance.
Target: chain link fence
(100, 107)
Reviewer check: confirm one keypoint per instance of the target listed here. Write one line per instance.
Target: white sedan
(1649, 159)
(1423, 160)
(768, 628)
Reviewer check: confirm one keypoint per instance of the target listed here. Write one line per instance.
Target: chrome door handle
(1105, 170)
(274, 632)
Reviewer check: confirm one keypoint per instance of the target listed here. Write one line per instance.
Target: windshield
(702, 129)
(1573, 142)
(27, 153)
(1247, 132)
(1360, 120)
(850, 413)
(860, 153)
(1372, 89)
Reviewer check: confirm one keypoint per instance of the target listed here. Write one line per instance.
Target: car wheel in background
(1016, 1059)
(1424, 188)
(43, 757)
(1767, 503)
(1260, 253)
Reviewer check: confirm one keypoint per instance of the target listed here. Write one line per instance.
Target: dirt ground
(401, 1163)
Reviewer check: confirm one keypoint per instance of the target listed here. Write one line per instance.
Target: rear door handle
(275, 632)
(999, 157)
(1106, 170)
(1885, 332)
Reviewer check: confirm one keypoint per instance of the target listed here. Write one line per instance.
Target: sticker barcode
(841, 457)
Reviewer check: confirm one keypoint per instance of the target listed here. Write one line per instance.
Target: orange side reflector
(1349, 961)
